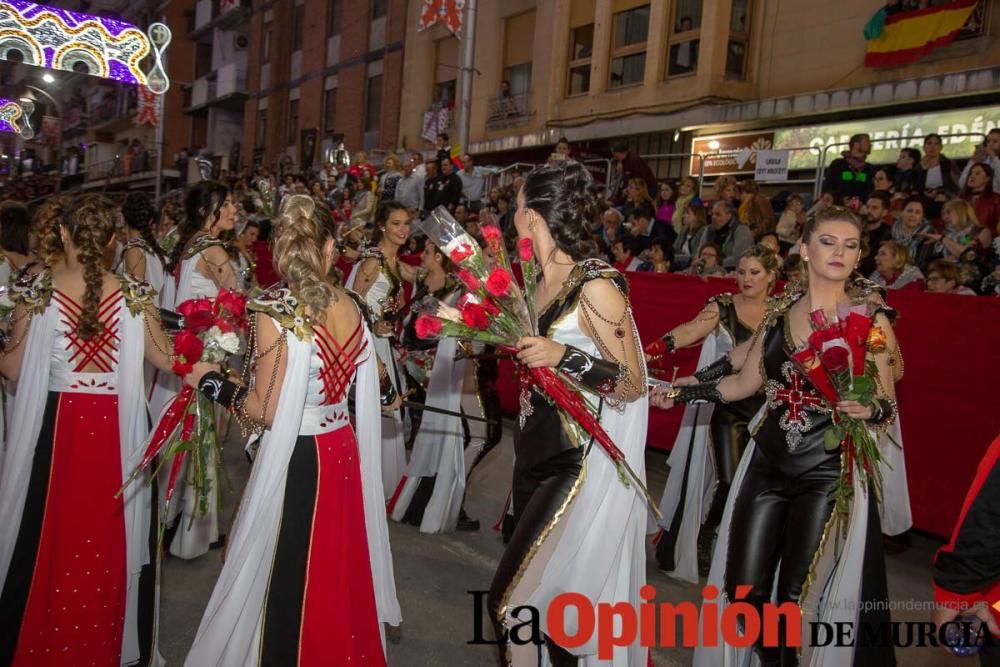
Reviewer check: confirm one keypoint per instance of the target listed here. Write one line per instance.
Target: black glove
(596, 373)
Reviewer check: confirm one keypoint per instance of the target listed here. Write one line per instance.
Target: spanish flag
(909, 36)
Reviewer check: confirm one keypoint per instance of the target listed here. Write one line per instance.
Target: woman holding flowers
(77, 562)
(578, 526)
(684, 548)
(308, 575)
(201, 266)
(802, 507)
(378, 277)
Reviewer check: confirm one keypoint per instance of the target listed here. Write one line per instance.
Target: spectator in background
(770, 241)
(624, 260)
(14, 240)
(755, 210)
(611, 226)
(433, 187)
(850, 176)
(940, 182)
(894, 270)
(727, 189)
(691, 237)
(661, 255)
(364, 203)
(418, 164)
(883, 180)
(910, 231)
(636, 196)
(728, 233)
(944, 277)
(563, 149)
(962, 232)
(708, 262)
(979, 192)
(505, 212)
(644, 228)
(473, 183)
(442, 147)
(793, 269)
(665, 203)
(789, 227)
(630, 166)
(686, 196)
(987, 153)
(389, 180)
(909, 177)
(410, 188)
(451, 191)
(878, 229)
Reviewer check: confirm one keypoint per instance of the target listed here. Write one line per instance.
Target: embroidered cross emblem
(798, 400)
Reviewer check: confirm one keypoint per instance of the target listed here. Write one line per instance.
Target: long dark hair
(14, 227)
(565, 196)
(139, 215)
(203, 200)
(382, 217)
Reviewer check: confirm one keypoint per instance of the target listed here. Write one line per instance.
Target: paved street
(433, 573)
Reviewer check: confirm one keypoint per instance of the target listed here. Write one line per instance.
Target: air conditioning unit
(241, 42)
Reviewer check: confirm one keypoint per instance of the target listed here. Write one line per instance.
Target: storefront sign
(732, 154)
(890, 134)
(772, 166)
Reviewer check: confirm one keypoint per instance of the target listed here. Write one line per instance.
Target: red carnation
(491, 233)
(198, 314)
(476, 316)
(490, 307)
(427, 326)
(231, 302)
(192, 306)
(188, 348)
(525, 250)
(460, 253)
(498, 283)
(470, 280)
(836, 359)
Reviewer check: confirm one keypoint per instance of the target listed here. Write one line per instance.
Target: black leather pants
(730, 435)
(539, 492)
(777, 518)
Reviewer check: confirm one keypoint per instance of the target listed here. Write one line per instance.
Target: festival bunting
(449, 13)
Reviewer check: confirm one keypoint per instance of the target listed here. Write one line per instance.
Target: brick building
(322, 67)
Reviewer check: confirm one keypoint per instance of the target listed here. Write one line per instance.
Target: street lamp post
(58, 107)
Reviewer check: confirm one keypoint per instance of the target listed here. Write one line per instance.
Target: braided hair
(202, 202)
(565, 196)
(139, 215)
(89, 221)
(301, 234)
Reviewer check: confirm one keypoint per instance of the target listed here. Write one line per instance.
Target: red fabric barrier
(946, 398)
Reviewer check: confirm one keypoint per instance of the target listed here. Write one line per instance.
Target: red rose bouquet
(212, 330)
(494, 311)
(834, 360)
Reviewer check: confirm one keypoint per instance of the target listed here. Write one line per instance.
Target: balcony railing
(509, 111)
(225, 82)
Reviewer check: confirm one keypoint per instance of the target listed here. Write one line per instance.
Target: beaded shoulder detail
(371, 252)
(138, 293)
(725, 299)
(137, 242)
(201, 244)
(281, 304)
(33, 291)
(776, 306)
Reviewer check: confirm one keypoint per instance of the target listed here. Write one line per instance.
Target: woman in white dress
(308, 574)
(577, 527)
(202, 266)
(378, 277)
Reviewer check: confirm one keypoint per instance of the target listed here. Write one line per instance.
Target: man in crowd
(850, 176)
(728, 233)
(621, 250)
(410, 188)
(451, 190)
(473, 183)
(907, 179)
(878, 229)
(645, 229)
(433, 186)
(630, 166)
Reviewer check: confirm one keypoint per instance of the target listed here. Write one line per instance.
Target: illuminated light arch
(14, 118)
(58, 39)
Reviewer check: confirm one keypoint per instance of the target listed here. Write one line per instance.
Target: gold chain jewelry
(625, 377)
(618, 325)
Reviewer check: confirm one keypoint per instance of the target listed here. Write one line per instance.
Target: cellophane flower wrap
(834, 359)
(493, 310)
(213, 329)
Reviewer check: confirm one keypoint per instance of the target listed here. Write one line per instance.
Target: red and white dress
(308, 574)
(75, 561)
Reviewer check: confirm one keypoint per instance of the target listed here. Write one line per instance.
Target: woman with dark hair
(246, 258)
(201, 267)
(979, 192)
(684, 547)
(661, 255)
(308, 576)
(378, 277)
(577, 527)
(939, 176)
(142, 257)
(781, 536)
(665, 202)
(77, 562)
(15, 247)
(911, 229)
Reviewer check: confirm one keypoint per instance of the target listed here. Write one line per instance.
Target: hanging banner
(148, 107)
(449, 13)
